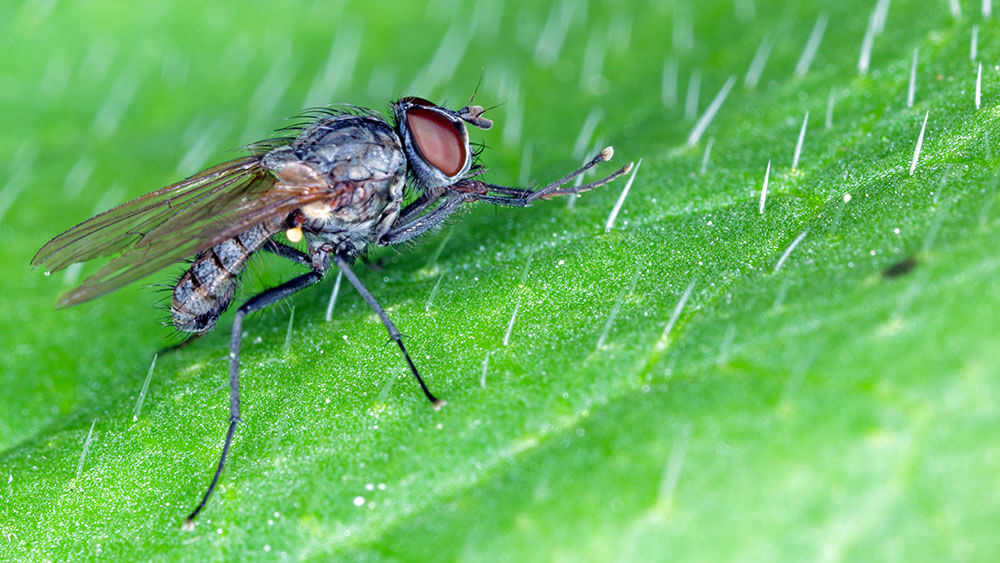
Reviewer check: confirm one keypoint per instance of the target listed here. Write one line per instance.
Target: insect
(340, 180)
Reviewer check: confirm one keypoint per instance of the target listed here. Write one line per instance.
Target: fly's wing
(159, 228)
(186, 234)
(214, 189)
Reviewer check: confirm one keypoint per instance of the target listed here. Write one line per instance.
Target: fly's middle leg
(394, 333)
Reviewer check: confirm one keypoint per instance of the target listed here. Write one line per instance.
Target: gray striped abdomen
(204, 291)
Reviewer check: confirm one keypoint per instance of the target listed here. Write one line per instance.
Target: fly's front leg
(255, 303)
(475, 190)
(411, 223)
(404, 228)
(426, 199)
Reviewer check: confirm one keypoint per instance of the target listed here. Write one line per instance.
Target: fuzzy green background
(705, 381)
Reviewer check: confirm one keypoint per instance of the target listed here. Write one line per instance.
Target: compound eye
(439, 139)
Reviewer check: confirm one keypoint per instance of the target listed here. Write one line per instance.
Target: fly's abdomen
(204, 291)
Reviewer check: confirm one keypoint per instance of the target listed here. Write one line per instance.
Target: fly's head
(436, 139)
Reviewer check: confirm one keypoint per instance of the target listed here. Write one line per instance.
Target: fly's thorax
(354, 168)
(347, 148)
(360, 217)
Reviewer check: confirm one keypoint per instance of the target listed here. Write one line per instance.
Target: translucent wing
(216, 188)
(166, 226)
(187, 234)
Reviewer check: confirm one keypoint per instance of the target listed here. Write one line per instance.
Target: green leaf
(702, 381)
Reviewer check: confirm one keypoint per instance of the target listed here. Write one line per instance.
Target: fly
(339, 183)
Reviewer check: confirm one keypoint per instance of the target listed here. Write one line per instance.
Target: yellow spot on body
(294, 235)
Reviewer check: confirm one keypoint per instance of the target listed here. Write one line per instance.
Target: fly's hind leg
(255, 303)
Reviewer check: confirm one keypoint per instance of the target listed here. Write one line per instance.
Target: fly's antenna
(473, 115)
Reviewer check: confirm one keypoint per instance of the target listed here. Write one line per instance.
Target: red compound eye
(438, 139)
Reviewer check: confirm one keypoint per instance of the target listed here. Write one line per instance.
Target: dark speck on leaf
(901, 268)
